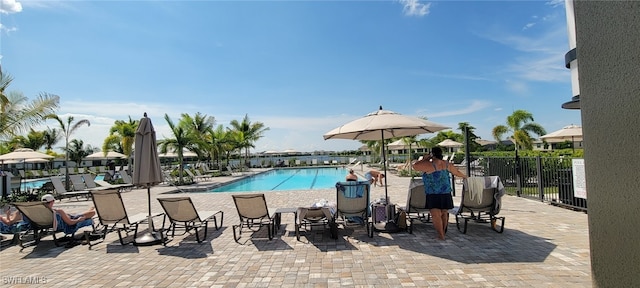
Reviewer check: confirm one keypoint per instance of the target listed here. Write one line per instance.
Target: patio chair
(183, 214)
(62, 192)
(416, 207)
(353, 204)
(41, 219)
(234, 173)
(92, 184)
(112, 214)
(194, 176)
(252, 211)
(481, 202)
(309, 217)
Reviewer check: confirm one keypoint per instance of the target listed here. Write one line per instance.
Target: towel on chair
(476, 186)
(351, 191)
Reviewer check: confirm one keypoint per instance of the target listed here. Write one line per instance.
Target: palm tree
(17, 115)
(67, 129)
(519, 123)
(121, 138)
(77, 151)
(248, 133)
(34, 140)
(51, 138)
(473, 145)
(218, 138)
(199, 127)
(181, 140)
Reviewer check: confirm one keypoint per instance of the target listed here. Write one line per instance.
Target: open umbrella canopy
(107, 155)
(450, 143)
(380, 125)
(24, 153)
(567, 133)
(383, 124)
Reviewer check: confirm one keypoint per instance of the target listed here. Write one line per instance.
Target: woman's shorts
(439, 201)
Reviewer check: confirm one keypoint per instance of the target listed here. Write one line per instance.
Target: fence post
(539, 177)
(518, 174)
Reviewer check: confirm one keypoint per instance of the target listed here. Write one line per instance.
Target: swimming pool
(37, 183)
(288, 179)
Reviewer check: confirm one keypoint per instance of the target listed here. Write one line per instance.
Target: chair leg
(235, 236)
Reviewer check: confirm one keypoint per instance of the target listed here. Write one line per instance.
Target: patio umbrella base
(148, 239)
(388, 227)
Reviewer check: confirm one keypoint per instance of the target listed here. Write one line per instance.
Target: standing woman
(437, 186)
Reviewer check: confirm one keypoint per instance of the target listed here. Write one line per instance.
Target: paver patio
(542, 246)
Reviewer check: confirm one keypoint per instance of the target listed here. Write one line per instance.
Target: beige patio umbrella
(147, 171)
(570, 132)
(380, 125)
(23, 154)
(448, 143)
(104, 156)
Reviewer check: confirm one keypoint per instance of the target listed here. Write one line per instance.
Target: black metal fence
(542, 178)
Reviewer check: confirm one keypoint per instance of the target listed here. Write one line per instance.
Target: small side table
(277, 216)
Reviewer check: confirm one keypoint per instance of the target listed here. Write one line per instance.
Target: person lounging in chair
(12, 222)
(69, 223)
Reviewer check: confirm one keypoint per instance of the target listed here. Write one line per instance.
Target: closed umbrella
(146, 171)
(380, 125)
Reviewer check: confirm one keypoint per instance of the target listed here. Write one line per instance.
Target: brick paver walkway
(542, 246)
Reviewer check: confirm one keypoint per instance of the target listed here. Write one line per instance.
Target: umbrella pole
(388, 226)
(151, 237)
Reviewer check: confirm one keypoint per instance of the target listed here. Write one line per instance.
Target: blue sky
(301, 67)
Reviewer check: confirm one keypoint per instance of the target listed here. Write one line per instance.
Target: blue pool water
(37, 183)
(288, 179)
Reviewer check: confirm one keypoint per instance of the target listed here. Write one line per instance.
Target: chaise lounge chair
(353, 204)
(309, 217)
(62, 192)
(183, 214)
(416, 208)
(41, 219)
(252, 211)
(481, 202)
(112, 213)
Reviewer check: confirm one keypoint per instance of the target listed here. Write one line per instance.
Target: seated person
(12, 222)
(351, 176)
(69, 223)
(374, 177)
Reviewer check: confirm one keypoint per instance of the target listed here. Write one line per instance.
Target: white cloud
(6, 29)
(10, 6)
(473, 106)
(415, 8)
(528, 25)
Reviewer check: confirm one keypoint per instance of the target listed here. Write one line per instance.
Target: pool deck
(542, 246)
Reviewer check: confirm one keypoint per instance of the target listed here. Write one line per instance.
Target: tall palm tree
(521, 124)
(67, 128)
(51, 138)
(218, 138)
(122, 136)
(78, 151)
(17, 114)
(34, 140)
(199, 126)
(248, 134)
(473, 145)
(181, 140)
